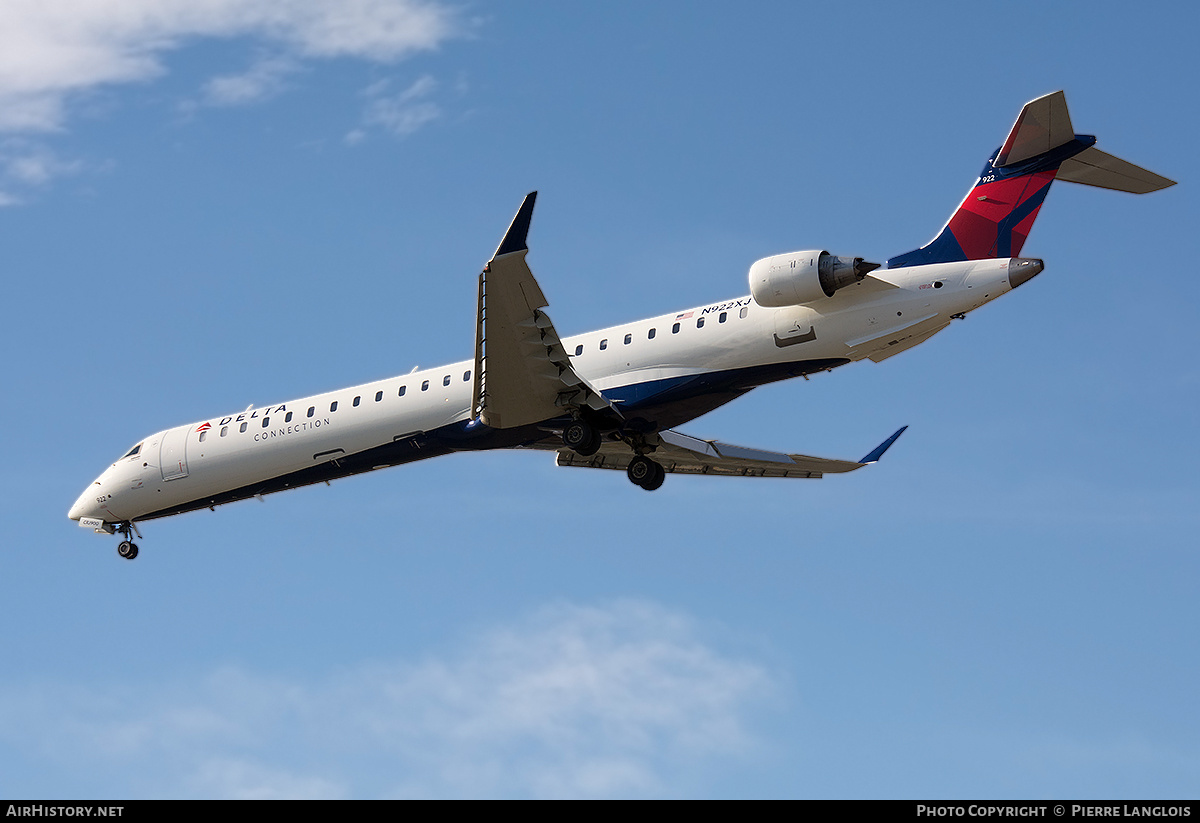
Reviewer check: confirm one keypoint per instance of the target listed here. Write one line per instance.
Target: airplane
(613, 399)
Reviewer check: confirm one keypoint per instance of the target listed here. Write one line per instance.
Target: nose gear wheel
(127, 548)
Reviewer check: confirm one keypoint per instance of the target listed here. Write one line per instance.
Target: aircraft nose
(86, 505)
(1022, 270)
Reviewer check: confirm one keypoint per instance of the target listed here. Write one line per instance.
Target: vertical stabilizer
(998, 212)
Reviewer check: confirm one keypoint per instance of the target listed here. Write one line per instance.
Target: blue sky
(211, 204)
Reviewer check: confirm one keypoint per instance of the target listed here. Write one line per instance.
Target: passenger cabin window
(358, 400)
(333, 406)
(425, 386)
(403, 389)
(466, 375)
(699, 322)
(745, 310)
(650, 334)
(287, 418)
(266, 422)
(675, 329)
(311, 409)
(603, 344)
(579, 350)
(242, 428)
(446, 380)
(724, 316)
(378, 396)
(203, 435)
(224, 430)
(628, 339)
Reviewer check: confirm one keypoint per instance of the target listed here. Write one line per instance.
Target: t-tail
(998, 213)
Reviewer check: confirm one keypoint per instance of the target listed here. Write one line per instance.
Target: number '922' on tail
(998, 212)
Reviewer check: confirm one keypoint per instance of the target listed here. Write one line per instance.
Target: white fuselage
(234, 456)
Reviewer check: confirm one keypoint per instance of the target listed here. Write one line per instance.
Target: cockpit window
(134, 450)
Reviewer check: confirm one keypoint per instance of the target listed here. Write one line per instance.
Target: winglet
(514, 238)
(877, 453)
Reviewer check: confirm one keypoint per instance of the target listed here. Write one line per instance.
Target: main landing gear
(127, 548)
(645, 472)
(581, 437)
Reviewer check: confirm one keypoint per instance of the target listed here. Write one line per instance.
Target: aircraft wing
(681, 454)
(522, 372)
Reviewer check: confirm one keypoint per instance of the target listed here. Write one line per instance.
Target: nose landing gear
(127, 548)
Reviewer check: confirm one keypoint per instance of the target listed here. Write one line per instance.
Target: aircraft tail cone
(1022, 270)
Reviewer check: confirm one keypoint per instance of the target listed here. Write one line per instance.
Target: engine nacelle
(803, 277)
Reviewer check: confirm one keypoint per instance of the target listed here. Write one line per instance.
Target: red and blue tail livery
(997, 215)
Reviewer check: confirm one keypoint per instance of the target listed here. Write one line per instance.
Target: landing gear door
(172, 455)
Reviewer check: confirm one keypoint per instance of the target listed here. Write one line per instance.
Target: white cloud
(615, 700)
(51, 50)
(53, 53)
(33, 164)
(402, 113)
(27, 165)
(264, 79)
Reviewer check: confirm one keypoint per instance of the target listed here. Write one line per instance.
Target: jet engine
(803, 277)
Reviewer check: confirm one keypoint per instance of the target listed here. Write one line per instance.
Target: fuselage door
(794, 325)
(172, 456)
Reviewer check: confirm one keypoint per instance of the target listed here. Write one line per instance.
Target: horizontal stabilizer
(1093, 167)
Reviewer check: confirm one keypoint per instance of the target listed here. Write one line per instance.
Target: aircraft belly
(671, 401)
